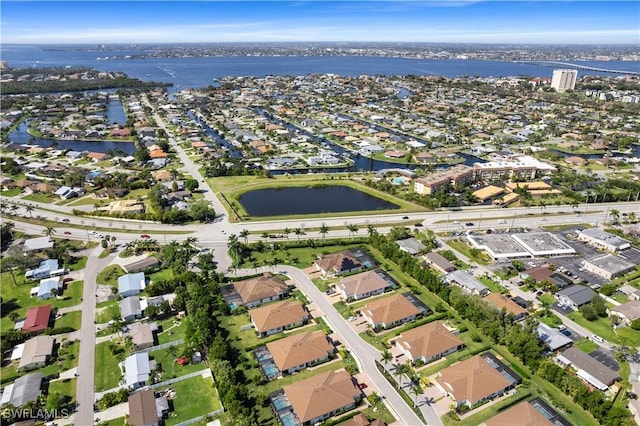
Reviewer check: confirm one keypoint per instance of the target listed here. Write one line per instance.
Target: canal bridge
(577, 66)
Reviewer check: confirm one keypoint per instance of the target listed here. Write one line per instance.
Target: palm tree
(49, 231)
(386, 357)
(632, 217)
(298, 232)
(265, 235)
(615, 215)
(415, 391)
(401, 371)
(244, 234)
(324, 230)
(286, 232)
(29, 208)
(14, 208)
(353, 229)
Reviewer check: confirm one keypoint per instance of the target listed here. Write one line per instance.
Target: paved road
(364, 353)
(87, 337)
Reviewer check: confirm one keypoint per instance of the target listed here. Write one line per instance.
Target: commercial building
(603, 240)
(564, 79)
(608, 266)
(543, 244)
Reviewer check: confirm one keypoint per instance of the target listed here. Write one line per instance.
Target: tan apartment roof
(390, 309)
(472, 380)
(488, 192)
(630, 309)
(428, 340)
(262, 287)
(36, 350)
(299, 349)
(523, 414)
(530, 185)
(277, 315)
(341, 261)
(322, 394)
(142, 408)
(363, 283)
(501, 301)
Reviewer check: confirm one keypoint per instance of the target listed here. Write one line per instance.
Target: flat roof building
(608, 266)
(603, 240)
(541, 244)
(498, 246)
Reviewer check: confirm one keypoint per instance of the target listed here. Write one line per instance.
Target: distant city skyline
(455, 21)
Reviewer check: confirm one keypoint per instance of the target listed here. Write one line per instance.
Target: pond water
(310, 200)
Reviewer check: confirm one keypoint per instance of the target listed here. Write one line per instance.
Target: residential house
(255, 291)
(523, 414)
(575, 296)
(428, 342)
(365, 284)
(36, 353)
(44, 270)
(322, 396)
(467, 282)
(472, 381)
(411, 245)
(131, 284)
(627, 312)
(24, 389)
(588, 368)
(66, 192)
(130, 308)
(37, 319)
(277, 317)
(35, 245)
(500, 301)
(299, 351)
(137, 369)
(552, 338)
(339, 263)
(439, 262)
(145, 409)
(142, 265)
(49, 287)
(391, 311)
(142, 335)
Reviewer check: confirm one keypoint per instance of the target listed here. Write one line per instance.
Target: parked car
(65, 219)
(469, 223)
(405, 217)
(145, 236)
(597, 339)
(67, 233)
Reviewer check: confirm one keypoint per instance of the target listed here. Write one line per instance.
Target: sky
(435, 21)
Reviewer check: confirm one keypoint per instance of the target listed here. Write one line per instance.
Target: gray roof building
(575, 296)
(602, 239)
(552, 337)
(130, 308)
(137, 369)
(608, 266)
(38, 244)
(411, 245)
(588, 368)
(23, 390)
(467, 282)
(131, 284)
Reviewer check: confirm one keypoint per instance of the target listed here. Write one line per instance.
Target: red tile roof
(37, 319)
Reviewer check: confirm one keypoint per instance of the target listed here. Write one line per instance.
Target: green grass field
(602, 327)
(70, 319)
(194, 397)
(107, 372)
(109, 275)
(171, 331)
(170, 368)
(66, 387)
(107, 311)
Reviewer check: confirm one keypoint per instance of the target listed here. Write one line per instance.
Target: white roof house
(47, 286)
(131, 284)
(137, 369)
(38, 244)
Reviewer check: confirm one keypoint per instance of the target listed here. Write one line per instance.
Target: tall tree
(324, 230)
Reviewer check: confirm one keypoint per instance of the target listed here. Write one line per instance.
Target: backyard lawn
(194, 397)
(171, 331)
(106, 311)
(109, 275)
(602, 327)
(586, 345)
(465, 249)
(66, 387)
(70, 319)
(161, 275)
(167, 357)
(107, 373)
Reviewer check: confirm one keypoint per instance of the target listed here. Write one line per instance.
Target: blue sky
(464, 21)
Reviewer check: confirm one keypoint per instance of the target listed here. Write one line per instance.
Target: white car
(502, 222)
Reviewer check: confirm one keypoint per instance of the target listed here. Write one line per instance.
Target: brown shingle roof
(428, 340)
(363, 283)
(277, 315)
(342, 261)
(259, 288)
(322, 394)
(501, 301)
(142, 408)
(472, 380)
(390, 309)
(299, 349)
(523, 414)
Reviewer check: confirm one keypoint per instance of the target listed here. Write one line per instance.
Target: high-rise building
(564, 79)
